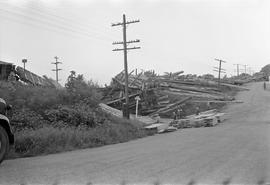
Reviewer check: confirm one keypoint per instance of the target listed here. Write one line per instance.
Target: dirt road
(236, 151)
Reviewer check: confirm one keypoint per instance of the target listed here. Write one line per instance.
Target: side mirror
(9, 107)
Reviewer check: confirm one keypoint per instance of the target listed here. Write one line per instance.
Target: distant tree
(75, 82)
(81, 89)
(266, 70)
(244, 75)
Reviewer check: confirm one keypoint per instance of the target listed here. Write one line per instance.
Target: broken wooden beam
(216, 101)
(171, 106)
(121, 99)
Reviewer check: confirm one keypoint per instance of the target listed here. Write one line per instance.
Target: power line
(49, 28)
(42, 6)
(125, 49)
(62, 20)
(50, 24)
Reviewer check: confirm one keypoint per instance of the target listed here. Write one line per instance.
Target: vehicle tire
(4, 143)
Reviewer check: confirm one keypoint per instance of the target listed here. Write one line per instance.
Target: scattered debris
(164, 94)
(162, 97)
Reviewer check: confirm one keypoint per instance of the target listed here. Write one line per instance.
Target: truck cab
(6, 134)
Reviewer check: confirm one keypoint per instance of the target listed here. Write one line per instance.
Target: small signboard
(137, 98)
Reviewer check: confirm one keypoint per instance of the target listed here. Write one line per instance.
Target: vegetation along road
(236, 151)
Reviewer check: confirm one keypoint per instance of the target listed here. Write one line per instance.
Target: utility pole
(56, 67)
(219, 69)
(245, 68)
(237, 68)
(24, 61)
(249, 71)
(125, 49)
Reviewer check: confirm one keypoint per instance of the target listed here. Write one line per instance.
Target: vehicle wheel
(4, 143)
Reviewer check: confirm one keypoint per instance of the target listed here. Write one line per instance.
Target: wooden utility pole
(249, 69)
(56, 67)
(24, 61)
(125, 49)
(245, 68)
(237, 68)
(219, 69)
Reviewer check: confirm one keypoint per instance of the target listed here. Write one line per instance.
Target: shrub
(27, 119)
(49, 120)
(49, 139)
(79, 114)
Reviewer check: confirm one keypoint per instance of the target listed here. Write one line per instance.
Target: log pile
(208, 118)
(205, 119)
(163, 94)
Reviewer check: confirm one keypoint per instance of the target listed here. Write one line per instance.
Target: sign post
(137, 98)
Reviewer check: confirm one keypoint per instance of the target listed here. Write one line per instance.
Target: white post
(137, 102)
(137, 98)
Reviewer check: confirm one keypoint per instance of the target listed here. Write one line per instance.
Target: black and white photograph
(134, 92)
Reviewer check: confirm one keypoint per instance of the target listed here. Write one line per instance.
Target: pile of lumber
(204, 119)
(163, 94)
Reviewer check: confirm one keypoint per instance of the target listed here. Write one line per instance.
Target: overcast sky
(175, 35)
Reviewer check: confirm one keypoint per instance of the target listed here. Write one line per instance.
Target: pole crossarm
(126, 49)
(220, 69)
(220, 60)
(128, 22)
(128, 42)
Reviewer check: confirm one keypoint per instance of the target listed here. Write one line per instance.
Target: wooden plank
(192, 94)
(215, 101)
(170, 106)
(195, 89)
(121, 99)
(135, 79)
(235, 86)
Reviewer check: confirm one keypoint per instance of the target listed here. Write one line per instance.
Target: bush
(27, 119)
(49, 139)
(39, 99)
(49, 120)
(79, 114)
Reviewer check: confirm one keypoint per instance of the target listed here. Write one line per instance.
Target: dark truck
(6, 135)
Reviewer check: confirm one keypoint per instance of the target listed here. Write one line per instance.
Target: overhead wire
(54, 17)
(51, 24)
(94, 25)
(44, 27)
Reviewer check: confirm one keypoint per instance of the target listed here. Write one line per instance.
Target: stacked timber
(204, 119)
(164, 94)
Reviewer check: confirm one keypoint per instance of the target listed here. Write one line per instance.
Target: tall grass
(49, 139)
(48, 120)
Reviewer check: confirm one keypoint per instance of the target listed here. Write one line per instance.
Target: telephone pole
(237, 68)
(56, 67)
(245, 68)
(24, 61)
(125, 49)
(219, 69)
(250, 69)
